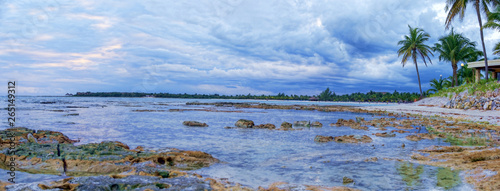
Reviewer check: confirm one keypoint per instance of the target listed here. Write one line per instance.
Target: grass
(453, 139)
(478, 89)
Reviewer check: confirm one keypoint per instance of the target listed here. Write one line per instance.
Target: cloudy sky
(228, 47)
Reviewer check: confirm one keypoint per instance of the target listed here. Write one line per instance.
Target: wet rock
(316, 124)
(55, 157)
(265, 126)
(413, 138)
(420, 136)
(194, 124)
(420, 157)
(302, 123)
(20, 136)
(346, 180)
(353, 139)
(399, 131)
(323, 139)
(373, 159)
(243, 123)
(31, 139)
(385, 134)
(286, 125)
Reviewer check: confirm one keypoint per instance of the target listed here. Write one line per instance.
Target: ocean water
(252, 157)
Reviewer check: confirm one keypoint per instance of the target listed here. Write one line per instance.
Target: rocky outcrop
(346, 180)
(385, 134)
(194, 124)
(143, 182)
(20, 135)
(323, 139)
(316, 124)
(353, 139)
(243, 123)
(61, 156)
(489, 101)
(286, 125)
(302, 123)
(344, 139)
(265, 126)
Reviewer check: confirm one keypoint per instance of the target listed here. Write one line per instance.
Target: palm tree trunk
(455, 77)
(418, 75)
(482, 38)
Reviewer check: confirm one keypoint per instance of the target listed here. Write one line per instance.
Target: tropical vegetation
(326, 95)
(455, 48)
(412, 47)
(494, 23)
(457, 8)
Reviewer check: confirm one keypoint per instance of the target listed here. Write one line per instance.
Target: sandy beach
(432, 106)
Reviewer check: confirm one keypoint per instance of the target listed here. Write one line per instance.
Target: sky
(54, 47)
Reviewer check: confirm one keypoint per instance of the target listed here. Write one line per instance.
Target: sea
(251, 157)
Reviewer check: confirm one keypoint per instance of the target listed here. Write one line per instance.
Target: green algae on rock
(59, 155)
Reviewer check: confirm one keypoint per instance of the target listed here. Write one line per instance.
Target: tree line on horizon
(453, 47)
(326, 95)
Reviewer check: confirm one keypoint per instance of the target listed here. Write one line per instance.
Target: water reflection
(410, 173)
(447, 178)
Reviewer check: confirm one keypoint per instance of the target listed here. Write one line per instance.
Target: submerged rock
(133, 182)
(353, 139)
(94, 158)
(302, 123)
(265, 126)
(286, 125)
(316, 124)
(346, 180)
(194, 124)
(385, 134)
(323, 139)
(243, 123)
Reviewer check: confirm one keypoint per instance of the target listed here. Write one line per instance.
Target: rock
(420, 157)
(316, 124)
(385, 134)
(265, 126)
(31, 139)
(373, 159)
(286, 125)
(399, 131)
(353, 139)
(301, 123)
(94, 158)
(323, 139)
(346, 180)
(360, 119)
(243, 123)
(194, 124)
(413, 138)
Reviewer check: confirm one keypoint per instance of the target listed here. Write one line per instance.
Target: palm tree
(437, 85)
(458, 7)
(413, 47)
(455, 48)
(494, 23)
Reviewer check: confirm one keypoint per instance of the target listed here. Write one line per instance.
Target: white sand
(433, 107)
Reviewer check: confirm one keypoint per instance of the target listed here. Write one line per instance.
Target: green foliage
(437, 85)
(413, 47)
(494, 23)
(447, 178)
(456, 48)
(326, 95)
(472, 88)
(454, 139)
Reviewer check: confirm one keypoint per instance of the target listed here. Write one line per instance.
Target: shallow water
(252, 157)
